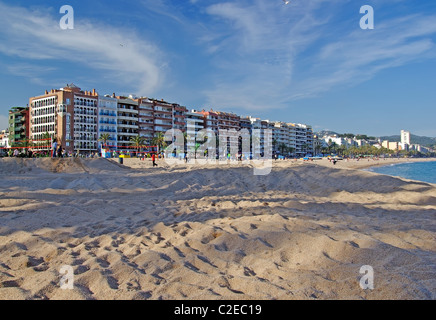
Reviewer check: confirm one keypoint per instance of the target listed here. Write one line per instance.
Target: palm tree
(137, 141)
(341, 150)
(46, 136)
(334, 146)
(159, 141)
(282, 148)
(274, 143)
(104, 137)
(291, 150)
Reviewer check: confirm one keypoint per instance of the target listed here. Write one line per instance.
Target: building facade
(127, 122)
(107, 120)
(78, 119)
(19, 125)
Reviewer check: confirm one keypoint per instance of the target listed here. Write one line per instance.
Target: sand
(213, 232)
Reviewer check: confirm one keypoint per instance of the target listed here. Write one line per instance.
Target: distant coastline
(408, 170)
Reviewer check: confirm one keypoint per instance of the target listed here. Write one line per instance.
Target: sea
(421, 171)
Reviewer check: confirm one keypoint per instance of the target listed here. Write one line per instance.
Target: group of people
(56, 149)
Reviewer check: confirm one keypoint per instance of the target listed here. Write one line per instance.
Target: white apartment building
(127, 122)
(194, 123)
(107, 119)
(85, 122)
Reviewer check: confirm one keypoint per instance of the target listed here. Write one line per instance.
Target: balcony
(127, 110)
(107, 122)
(107, 114)
(130, 126)
(163, 117)
(128, 118)
(146, 107)
(86, 113)
(107, 130)
(130, 134)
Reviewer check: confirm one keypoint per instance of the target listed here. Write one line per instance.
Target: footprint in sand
(81, 269)
(179, 252)
(103, 263)
(38, 264)
(249, 272)
(112, 282)
(11, 283)
(158, 237)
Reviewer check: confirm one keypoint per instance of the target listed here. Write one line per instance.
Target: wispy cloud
(36, 35)
(32, 72)
(269, 56)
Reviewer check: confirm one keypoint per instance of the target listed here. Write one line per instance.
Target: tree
(274, 143)
(159, 141)
(282, 148)
(104, 137)
(45, 137)
(291, 150)
(333, 146)
(137, 141)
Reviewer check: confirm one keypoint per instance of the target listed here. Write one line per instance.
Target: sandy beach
(213, 232)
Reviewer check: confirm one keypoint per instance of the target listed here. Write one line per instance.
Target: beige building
(68, 114)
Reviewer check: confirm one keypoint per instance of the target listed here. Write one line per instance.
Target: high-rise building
(210, 120)
(19, 128)
(194, 123)
(78, 119)
(108, 120)
(405, 140)
(127, 122)
(163, 116)
(69, 115)
(146, 118)
(84, 135)
(179, 117)
(405, 137)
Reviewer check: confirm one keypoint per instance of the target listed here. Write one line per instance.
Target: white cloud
(118, 54)
(268, 53)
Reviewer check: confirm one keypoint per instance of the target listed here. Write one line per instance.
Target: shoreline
(365, 164)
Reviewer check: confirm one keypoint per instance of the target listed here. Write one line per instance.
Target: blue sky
(306, 62)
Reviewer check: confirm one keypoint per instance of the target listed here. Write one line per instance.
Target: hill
(422, 140)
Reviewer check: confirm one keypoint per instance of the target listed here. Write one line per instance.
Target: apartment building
(68, 114)
(85, 122)
(19, 125)
(78, 118)
(194, 123)
(179, 117)
(228, 121)
(127, 122)
(108, 120)
(146, 118)
(210, 120)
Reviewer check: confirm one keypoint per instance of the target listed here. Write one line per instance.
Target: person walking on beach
(54, 147)
(153, 158)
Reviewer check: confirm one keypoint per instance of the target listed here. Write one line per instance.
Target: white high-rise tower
(405, 139)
